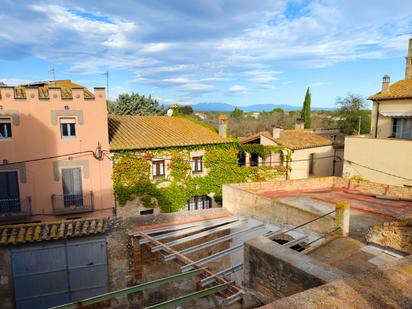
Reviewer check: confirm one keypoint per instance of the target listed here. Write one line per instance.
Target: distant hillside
(224, 107)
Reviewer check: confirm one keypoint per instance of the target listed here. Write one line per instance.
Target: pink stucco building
(53, 160)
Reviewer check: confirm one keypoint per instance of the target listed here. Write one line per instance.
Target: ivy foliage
(131, 175)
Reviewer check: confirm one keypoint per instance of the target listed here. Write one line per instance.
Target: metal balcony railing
(72, 203)
(15, 208)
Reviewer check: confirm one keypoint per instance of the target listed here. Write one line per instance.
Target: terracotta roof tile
(36, 232)
(148, 132)
(292, 139)
(402, 89)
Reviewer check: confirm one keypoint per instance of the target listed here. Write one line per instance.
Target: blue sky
(189, 51)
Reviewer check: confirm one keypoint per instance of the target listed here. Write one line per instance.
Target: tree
(352, 111)
(278, 110)
(185, 110)
(305, 114)
(135, 104)
(238, 113)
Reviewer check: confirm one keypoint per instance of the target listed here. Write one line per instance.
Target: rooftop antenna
(53, 71)
(107, 82)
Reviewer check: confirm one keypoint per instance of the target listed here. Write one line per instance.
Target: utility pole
(359, 125)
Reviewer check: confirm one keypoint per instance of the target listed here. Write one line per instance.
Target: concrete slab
(382, 259)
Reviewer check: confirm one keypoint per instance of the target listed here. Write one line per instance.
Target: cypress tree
(305, 114)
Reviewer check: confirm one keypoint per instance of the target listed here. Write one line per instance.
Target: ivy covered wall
(132, 174)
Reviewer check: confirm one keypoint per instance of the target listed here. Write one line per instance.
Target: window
(72, 187)
(402, 128)
(197, 164)
(198, 202)
(158, 169)
(311, 163)
(9, 192)
(5, 128)
(68, 127)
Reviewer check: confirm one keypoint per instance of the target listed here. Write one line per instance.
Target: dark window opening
(199, 202)
(9, 192)
(5, 129)
(241, 158)
(197, 164)
(158, 169)
(254, 159)
(146, 212)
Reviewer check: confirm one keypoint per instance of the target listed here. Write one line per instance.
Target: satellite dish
(169, 112)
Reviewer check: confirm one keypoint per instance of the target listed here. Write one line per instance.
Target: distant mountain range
(224, 107)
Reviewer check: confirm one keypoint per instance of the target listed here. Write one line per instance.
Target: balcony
(72, 203)
(15, 208)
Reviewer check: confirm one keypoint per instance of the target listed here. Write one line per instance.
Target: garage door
(58, 273)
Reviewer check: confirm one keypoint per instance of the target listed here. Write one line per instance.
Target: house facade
(385, 154)
(311, 154)
(168, 144)
(53, 166)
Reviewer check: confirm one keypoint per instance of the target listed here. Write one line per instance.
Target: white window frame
(197, 164)
(68, 121)
(4, 122)
(161, 173)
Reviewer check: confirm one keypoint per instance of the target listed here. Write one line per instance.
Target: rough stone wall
(272, 271)
(6, 280)
(395, 234)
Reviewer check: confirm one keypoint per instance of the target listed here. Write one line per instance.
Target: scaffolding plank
(129, 290)
(212, 257)
(199, 235)
(192, 296)
(213, 242)
(296, 241)
(204, 225)
(169, 228)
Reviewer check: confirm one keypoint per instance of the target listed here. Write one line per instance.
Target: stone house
(158, 139)
(311, 154)
(385, 154)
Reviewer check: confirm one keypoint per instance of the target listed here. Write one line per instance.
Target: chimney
(276, 132)
(408, 69)
(300, 124)
(223, 125)
(385, 84)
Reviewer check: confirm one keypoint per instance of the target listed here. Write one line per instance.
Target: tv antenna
(53, 72)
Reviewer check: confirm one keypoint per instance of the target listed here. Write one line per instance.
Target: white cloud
(237, 90)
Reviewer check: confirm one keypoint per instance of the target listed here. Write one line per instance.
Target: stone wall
(272, 271)
(395, 234)
(242, 202)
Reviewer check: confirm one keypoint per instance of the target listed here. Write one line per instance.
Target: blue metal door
(53, 274)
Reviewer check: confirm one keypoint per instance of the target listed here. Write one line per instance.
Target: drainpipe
(377, 118)
(334, 162)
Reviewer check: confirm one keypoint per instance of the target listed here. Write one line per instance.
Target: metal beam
(224, 272)
(199, 235)
(212, 242)
(233, 298)
(272, 234)
(168, 228)
(192, 296)
(200, 227)
(295, 241)
(129, 290)
(212, 257)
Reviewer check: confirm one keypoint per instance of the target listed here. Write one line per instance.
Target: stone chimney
(276, 132)
(408, 69)
(300, 124)
(223, 125)
(385, 84)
